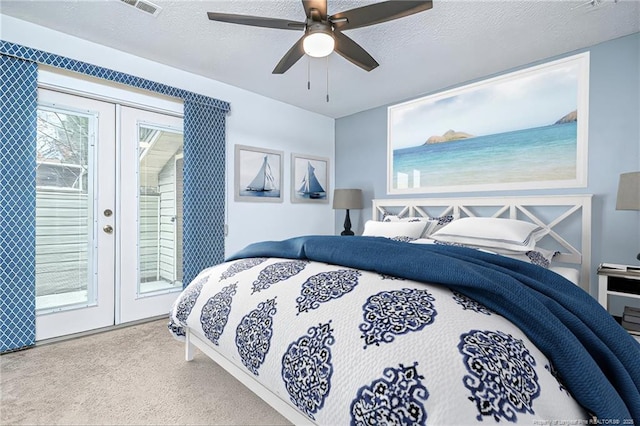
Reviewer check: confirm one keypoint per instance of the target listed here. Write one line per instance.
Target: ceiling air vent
(144, 5)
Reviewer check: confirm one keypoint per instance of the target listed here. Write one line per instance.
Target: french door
(75, 202)
(106, 214)
(151, 259)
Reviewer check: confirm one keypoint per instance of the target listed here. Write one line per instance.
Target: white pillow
(492, 233)
(433, 223)
(410, 230)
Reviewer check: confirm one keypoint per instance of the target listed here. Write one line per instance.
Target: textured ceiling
(456, 41)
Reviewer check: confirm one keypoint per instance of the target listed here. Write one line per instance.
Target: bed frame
(196, 340)
(575, 208)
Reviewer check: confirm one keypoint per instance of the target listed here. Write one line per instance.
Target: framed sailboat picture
(309, 179)
(258, 174)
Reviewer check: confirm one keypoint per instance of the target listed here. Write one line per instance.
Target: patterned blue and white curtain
(204, 183)
(18, 103)
(204, 188)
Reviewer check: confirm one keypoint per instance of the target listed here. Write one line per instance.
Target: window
(62, 150)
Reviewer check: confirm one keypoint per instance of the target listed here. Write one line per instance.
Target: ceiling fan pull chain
(328, 78)
(308, 73)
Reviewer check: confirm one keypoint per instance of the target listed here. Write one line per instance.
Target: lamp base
(347, 225)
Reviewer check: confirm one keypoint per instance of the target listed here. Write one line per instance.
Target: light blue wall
(614, 148)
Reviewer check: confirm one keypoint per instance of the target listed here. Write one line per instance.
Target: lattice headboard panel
(568, 218)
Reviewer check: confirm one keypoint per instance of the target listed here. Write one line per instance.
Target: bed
(448, 311)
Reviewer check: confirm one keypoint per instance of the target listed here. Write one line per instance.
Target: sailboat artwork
(264, 181)
(258, 174)
(309, 179)
(310, 186)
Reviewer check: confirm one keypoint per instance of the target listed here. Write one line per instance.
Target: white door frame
(177, 245)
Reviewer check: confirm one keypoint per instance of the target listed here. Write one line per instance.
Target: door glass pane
(64, 211)
(159, 210)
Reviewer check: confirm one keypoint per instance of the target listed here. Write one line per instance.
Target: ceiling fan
(323, 33)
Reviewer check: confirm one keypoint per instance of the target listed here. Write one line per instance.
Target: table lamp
(347, 199)
(629, 193)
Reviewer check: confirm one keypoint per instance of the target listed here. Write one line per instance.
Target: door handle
(108, 229)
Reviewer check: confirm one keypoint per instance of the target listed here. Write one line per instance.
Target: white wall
(254, 120)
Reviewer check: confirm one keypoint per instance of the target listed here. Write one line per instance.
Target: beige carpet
(129, 376)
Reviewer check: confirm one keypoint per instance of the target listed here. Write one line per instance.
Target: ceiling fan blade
(256, 21)
(319, 5)
(290, 58)
(377, 13)
(352, 51)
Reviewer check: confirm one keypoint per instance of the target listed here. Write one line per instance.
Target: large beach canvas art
(522, 130)
(258, 174)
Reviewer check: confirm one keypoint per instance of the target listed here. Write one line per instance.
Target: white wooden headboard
(561, 214)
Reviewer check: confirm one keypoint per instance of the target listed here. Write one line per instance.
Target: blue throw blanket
(595, 358)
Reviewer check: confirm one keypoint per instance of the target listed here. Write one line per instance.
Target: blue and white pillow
(411, 230)
(432, 223)
(538, 256)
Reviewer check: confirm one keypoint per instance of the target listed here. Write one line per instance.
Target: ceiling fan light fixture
(318, 44)
(323, 33)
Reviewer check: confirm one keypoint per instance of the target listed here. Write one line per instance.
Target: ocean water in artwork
(546, 153)
(260, 194)
(314, 196)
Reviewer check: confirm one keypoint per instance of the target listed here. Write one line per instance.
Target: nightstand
(618, 280)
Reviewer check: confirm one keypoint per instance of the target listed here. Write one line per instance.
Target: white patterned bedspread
(346, 346)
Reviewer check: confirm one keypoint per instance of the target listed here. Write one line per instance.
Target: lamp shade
(629, 192)
(347, 199)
